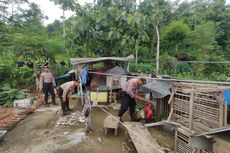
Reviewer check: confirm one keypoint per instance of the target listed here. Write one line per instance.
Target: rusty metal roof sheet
(75, 61)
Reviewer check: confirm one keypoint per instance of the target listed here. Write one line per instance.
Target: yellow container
(101, 97)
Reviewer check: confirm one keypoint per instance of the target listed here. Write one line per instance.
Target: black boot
(54, 103)
(134, 118)
(53, 99)
(67, 106)
(120, 119)
(63, 105)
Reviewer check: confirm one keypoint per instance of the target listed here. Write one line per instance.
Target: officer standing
(47, 84)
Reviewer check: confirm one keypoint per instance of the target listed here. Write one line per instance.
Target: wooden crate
(198, 107)
(115, 82)
(101, 96)
(162, 106)
(182, 143)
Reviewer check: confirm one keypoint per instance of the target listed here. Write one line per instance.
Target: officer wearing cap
(47, 84)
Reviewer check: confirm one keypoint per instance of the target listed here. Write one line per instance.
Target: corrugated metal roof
(158, 88)
(117, 70)
(75, 61)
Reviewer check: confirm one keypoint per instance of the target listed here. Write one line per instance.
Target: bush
(9, 94)
(142, 67)
(216, 76)
(183, 67)
(16, 77)
(5, 72)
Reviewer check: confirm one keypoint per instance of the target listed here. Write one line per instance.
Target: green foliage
(17, 77)
(183, 67)
(218, 76)
(142, 68)
(8, 95)
(203, 38)
(199, 28)
(174, 36)
(177, 31)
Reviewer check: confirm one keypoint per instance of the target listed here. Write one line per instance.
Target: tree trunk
(195, 23)
(136, 53)
(12, 11)
(3, 13)
(64, 25)
(136, 49)
(176, 48)
(158, 50)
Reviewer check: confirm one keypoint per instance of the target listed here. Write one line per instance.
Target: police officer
(128, 96)
(47, 84)
(63, 92)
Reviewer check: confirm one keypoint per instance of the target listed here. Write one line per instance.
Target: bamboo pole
(191, 111)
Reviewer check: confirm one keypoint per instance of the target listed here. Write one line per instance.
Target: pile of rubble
(71, 120)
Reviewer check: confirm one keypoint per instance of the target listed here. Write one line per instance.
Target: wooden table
(111, 123)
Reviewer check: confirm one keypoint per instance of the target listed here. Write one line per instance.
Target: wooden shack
(105, 73)
(198, 107)
(116, 77)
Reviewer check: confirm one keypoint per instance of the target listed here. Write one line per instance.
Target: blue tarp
(227, 96)
(84, 74)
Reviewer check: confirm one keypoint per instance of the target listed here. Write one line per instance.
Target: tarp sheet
(158, 88)
(227, 96)
(117, 70)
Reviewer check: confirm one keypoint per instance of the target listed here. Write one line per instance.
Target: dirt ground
(38, 133)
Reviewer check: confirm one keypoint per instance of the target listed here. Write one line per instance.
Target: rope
(158, 149)
(200, 62)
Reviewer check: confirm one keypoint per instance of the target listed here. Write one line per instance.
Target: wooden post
(225, 114)
(171, 98)
(225, 109)
(191, 103)
(221, 119)
(158, 50)
(175, 145)
(79, 76)
(170, 115)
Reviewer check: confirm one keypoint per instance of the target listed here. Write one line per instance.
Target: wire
(199, 62)
(164, 79)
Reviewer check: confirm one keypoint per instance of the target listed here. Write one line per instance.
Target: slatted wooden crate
(198, 107)
(182, 143)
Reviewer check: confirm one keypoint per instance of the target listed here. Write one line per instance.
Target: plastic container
(23, 102)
